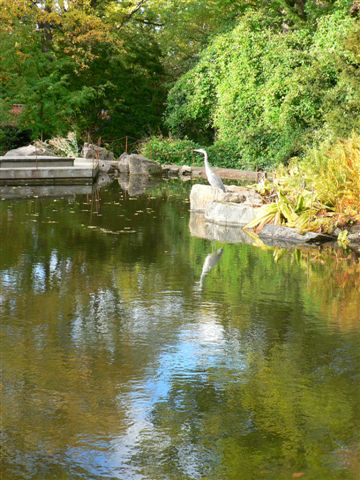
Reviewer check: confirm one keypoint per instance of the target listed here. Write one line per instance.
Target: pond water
(118, 362)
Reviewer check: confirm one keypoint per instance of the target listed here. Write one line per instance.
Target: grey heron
(210, 261)
(213, 179)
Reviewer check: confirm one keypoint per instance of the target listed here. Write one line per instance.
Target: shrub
(272, 93)
(226, 154)
(318, 193)
(169, 150)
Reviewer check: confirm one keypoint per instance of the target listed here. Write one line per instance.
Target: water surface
(123, 357)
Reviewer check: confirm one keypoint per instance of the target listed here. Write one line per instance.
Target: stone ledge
(199, 227)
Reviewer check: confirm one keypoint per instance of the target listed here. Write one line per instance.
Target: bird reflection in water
(210, 261)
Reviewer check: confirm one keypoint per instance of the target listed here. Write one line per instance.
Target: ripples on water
(125, 356)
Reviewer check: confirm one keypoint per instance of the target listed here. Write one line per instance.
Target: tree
(68, 62)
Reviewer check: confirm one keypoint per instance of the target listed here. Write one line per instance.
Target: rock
(102, 180)
(123, 163)
(245, 195)
(185, 179)
(93, 151)
(139, 165)
(27, 151)
(271, 235)
(202, 195)
(123, 156)
(104, 166)
(185, 170)
(277, 233)
(230, 214)
(123, 180)
(354, 234)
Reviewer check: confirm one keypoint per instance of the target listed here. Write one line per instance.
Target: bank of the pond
(233, 214)
(291, 207)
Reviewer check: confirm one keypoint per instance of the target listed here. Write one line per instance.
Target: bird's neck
(206, 160)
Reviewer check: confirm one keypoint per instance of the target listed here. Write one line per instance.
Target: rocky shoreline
(222, 216)
(215, 214)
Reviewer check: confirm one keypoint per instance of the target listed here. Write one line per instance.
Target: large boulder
(230, 214)
(99, 153)
(201, 196)
(123, 163)
(138, 165)
(26, 151)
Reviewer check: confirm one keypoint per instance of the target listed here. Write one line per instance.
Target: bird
(213, 179)
(210, 261)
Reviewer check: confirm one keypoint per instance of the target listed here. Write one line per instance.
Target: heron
(213, 179)
(210, 261)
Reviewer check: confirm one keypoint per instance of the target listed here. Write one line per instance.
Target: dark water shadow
(136, 185)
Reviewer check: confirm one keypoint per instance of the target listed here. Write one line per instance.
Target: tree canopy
(259, 81)
(269, 89)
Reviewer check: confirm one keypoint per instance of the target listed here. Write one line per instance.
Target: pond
(125, 357)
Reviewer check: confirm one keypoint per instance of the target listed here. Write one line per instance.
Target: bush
(272, 93)
(318, 193)
(169, 150)
(224, 154)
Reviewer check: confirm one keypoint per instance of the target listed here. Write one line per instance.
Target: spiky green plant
(318, 193)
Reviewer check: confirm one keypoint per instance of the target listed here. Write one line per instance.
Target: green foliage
(263, 82)
(226, 154)
(168, 150)
(73, 69)
(272, 91)
(181, 152)
(318, 193)
(182, 28)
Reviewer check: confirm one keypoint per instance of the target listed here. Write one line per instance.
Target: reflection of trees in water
(293, 409)
(333, 276)
(87, 314)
